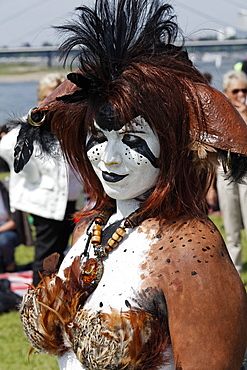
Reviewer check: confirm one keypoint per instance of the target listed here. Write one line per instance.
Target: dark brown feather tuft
(50, 264)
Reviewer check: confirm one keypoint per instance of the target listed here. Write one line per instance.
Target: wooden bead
(121, 231)
(97, 227)
(117, 237)
(112, 243)
(127, 223)
(97, 232)
(96, 239)
(98, 221)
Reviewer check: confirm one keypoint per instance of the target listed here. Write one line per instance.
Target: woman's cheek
(136, 158)
(95, 153)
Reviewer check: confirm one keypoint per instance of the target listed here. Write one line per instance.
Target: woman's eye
(96, 138)
(99, 136)
(130, 139)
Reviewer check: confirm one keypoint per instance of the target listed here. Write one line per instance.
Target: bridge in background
(51, 52)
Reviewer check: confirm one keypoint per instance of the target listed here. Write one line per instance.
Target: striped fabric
(19, 281)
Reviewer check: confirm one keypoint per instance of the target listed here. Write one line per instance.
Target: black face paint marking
(140, 146)
(106, 119)
(109, 120)
(99, 138)
(135, 143)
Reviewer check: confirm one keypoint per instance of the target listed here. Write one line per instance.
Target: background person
(47, 84)
(241, 66)
(9, 238)
(3, 164)
(232, 196)
(47, 189)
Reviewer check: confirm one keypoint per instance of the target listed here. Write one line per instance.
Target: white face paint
(125, 161)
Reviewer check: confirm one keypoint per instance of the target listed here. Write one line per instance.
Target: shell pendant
(92, 271)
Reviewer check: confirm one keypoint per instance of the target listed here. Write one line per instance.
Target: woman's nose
(112, 154)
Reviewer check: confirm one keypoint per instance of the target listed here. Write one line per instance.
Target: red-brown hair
(157, 89)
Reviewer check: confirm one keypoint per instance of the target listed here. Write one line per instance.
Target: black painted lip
(112, 177)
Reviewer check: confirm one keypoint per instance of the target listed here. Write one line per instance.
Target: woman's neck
(125, 208)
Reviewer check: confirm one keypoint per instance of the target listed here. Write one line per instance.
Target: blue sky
(29, 21)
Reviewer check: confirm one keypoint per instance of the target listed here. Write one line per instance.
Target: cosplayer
(148, 283)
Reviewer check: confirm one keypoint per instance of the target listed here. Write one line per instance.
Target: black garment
(8, 300)
(4, 167)
(51, 236)
(9, 239)
(244, 66)
(21, 220)
(5, 195)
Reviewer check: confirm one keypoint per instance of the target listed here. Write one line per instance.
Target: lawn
(14, 346)
(218, 222)
(14, 353)
(26, 68)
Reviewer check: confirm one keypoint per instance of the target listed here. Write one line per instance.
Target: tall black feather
(109, 37)
(116, 33)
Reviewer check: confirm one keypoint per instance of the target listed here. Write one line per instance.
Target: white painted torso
(123, 275)
(122, 271)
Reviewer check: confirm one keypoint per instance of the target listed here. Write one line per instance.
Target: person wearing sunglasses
(235, 88)
(232, 197)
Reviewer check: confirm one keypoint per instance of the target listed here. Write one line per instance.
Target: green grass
(25, 68)
(14, 353)
(218, 222)
(13, 344)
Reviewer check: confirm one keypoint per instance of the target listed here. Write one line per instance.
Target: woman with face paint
(148, 283)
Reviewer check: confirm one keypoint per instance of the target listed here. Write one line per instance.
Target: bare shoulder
(188, 258)
(190, 251)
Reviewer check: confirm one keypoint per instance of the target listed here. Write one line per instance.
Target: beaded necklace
(92, 269)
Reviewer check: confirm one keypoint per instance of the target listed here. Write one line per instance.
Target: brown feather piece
(47, 310)
(54, 321)
(131, 340)
(50, 264)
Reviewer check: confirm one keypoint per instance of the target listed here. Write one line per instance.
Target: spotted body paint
(124, 273)
(187, 260)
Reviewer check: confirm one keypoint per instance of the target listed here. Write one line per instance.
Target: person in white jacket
(48, 190)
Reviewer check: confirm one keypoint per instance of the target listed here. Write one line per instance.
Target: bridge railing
(51, 52)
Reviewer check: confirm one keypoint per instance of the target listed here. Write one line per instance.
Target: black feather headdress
(108, 38)
(117, 33)
(112, 36)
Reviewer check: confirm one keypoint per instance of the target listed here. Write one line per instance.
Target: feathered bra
(114, 36)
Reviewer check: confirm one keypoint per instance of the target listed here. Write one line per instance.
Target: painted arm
(206, 300)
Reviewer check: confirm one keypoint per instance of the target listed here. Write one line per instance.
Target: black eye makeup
(131, 140)
(140, 146)
(96, 138)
